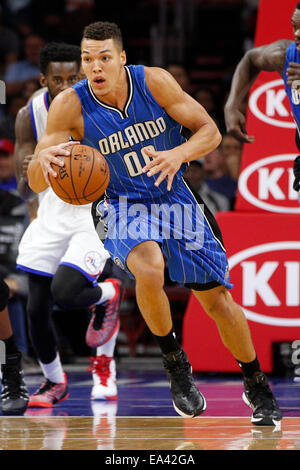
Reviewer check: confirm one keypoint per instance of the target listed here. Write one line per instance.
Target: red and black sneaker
(48, 394)
(103, 369)
(98, 334)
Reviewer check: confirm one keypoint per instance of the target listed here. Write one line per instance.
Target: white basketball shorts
(62, 234)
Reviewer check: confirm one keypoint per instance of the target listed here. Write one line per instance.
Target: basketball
(83, 178)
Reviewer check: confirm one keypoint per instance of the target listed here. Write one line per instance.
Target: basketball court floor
(143, 417)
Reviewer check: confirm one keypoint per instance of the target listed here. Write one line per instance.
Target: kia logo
(256, 281)
(269, 184)
(269, 103)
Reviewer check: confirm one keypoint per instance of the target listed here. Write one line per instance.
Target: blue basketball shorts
(180, 223)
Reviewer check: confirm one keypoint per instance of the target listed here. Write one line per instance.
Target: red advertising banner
(264, 258)
(262, 236)
(266, 175)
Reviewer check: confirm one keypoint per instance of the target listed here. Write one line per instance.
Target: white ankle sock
(53, 371)
(108, 347)
(108, 291)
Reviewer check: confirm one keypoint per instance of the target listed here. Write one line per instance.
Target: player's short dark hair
(59, 52)
(101, 30)
(298, 6)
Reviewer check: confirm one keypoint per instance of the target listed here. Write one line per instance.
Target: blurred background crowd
(198, 41)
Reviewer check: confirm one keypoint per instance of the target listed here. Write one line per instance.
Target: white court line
(139, 439)
(137, 417)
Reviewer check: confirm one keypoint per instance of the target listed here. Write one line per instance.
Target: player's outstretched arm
(187, 112)
(64, 120)
(24, 149)
(269, 58)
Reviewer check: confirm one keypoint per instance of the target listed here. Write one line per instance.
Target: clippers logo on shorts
(93, 262)
(270, 104)
(268, 184)
(270, 289)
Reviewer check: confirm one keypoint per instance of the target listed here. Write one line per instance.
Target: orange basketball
(83, 178)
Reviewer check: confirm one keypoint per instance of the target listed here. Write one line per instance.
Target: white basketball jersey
(61, 233)
(39, 111)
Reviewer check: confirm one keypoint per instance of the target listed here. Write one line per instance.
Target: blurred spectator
(206, 97)
(78, 13)
(8, 180)
(248, 16)
(18, 73)
(231, 148)
(7, 122)
(30, 87)
(18, 14)
(216, 177)
(9, 46)
(195, 175)
(13, 221)
(181, 75)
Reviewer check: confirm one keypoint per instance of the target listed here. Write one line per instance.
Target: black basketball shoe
(260, 398)
(14, 394)
(187, 400)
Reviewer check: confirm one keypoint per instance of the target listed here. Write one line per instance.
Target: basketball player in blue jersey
(134, 115)
(281, 56)
(57, 251)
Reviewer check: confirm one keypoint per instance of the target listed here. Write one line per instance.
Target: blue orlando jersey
(293, 92)
(122, 135)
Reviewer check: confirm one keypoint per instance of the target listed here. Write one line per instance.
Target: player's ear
(43, 81)
(123, 58)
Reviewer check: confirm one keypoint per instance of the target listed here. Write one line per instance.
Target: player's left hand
(166, 162)
(293, 72)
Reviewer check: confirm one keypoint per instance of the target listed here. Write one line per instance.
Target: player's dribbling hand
(236, 126)
(166, 164)
(50, 155)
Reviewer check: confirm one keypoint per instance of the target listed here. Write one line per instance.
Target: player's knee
(221, 307)
(152, 275)
(4, 295)
(67, 287)
(63, 295)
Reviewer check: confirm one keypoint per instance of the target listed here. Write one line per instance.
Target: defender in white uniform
(61, 251)
(61, 234)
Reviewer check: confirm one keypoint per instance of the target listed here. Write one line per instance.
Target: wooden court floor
(144, 433)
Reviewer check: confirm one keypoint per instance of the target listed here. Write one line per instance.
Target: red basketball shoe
(97, 336)
(103, 369)
(48, 394)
